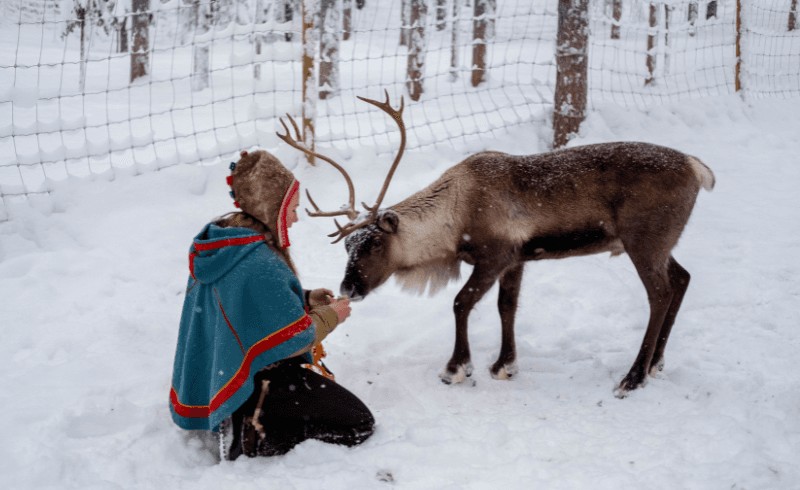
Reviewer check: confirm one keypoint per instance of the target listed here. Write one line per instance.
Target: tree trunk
(711, 9)
(616, 12)
(405, 21)
(571, 69)
(416, 49)
(454, 62)
(347, 20)
(651, 46)
(329, 48)
(123, 36)
(140, 29)
(793, 16)
(82, 74)
(479, 24)
(258, 38)
(667, 15)
(200, 73)
(309, 85)
(692, 18)
(441, 14)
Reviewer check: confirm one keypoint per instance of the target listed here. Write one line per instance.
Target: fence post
(140, 56)
(652, 39)
(793, 15)
(571, 69)
(416, 49)
(309, 85)
(329, 49)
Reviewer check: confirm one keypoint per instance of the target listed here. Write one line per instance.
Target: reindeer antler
(343, 231)
(351, 212)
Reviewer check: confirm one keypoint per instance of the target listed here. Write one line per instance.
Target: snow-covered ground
(92, 286)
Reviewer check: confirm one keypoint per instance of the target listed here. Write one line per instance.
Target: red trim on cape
(202, 247)
(227, 242)
(191, 264)
(238, 379)
(283, 230)
(225, 316)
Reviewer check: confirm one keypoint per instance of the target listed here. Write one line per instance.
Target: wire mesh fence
(105, 87)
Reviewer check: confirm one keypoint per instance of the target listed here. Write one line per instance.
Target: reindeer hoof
(506, 371)
(461, 372)
(627, 385)
(655, 368)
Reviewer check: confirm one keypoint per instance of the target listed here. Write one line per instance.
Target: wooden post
(416, 49)
(738, 80)
(329, 49)
(309, 85)
(479, 42)
(571, 69)
(793, 16)
(616, 12)
(140, 55)
(652, 40)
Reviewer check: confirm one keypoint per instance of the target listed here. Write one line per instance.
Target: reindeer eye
(377, 243)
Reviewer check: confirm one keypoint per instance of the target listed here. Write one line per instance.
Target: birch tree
(416, 49)
(330, 15)
(201, 51)
(87, 15)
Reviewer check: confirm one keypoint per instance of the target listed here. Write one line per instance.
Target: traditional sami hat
(263, 188)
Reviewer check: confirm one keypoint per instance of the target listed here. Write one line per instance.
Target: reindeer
(497, 211)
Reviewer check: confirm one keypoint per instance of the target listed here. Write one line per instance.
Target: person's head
(267, 191)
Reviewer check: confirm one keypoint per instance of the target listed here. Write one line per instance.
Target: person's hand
(319, 297)
(342, 308)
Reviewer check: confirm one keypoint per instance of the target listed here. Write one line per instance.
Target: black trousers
(299, 404)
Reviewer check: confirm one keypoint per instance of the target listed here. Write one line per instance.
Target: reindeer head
(368, 256)
(368, 236)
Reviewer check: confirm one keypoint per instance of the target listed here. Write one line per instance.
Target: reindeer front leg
(460, 365)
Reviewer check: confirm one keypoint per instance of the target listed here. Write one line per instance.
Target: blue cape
(243, 310)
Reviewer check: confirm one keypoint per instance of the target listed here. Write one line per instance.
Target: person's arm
(326, 319)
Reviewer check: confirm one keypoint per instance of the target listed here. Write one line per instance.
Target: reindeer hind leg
(679, 279)
(652, 270)
(506, 365)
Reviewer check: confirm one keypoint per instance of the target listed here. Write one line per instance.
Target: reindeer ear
(388, 221)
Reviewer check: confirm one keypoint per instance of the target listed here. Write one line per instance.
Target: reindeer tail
(704, 174)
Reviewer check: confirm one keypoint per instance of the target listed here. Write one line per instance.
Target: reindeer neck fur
(429, 232)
